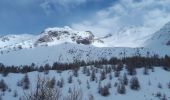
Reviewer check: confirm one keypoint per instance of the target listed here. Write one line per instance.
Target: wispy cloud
(99, 16)
(145, 13)
(31, 16)
(50, 6)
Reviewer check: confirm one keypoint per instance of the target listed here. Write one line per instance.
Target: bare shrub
(43, 91)
(75, 94)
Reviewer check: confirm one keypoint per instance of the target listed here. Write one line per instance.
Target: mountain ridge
(66, 45)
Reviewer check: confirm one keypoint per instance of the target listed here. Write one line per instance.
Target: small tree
(103, 75)
(84, 70)
(104, 91)
(115, 85)
(117, 73)
(52, 82)
(169, 85)
(109, 85)
(75, 72)
(79, 81)
(158, 94)
(160, 85)
(88, 85)
(61, 82)
(93, 76)
(69, 90)
(131, 70)
(5, 73)
(25, 82)
(88, 72)
(70, 79)
(15, 94)
(99, 87)
(3, 86)
(164, 97)
(46, 68)
(145, 71)
(134, 83)
(110, 76)
(125, 79)
(121, 88)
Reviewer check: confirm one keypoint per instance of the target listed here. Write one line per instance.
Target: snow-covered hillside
(160, 41)
(10, 41)
(153, 86)
(128, 37)
(67, 45)
(65, 53)
(61, 45)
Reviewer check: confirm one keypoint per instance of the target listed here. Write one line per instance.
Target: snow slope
(148, 83)
(14, 40)
(61, 45)
(67, 52)
(67, 45)
(160, 41)
(128, 37)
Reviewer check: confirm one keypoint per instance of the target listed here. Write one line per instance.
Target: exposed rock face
(4, 39)
(84, 41)
(49, 35)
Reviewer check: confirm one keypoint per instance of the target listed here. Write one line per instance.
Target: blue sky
(32, 16)
(98, 16)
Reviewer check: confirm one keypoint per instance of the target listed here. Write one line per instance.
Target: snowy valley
(77, 65)
(66, 45)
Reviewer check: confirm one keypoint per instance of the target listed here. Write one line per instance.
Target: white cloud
(69, 2)
(63, 5)
(145, 16)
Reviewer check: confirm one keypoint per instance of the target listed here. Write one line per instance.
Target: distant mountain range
(68, 45)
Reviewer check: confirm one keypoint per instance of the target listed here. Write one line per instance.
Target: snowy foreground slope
(150, 85)
(67, 45)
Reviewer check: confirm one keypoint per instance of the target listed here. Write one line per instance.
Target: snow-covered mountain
(68, 45)
(50, 36)
(129, 36)
(160, 41)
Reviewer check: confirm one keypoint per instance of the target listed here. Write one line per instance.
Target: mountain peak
(58, 34)
(65, 28)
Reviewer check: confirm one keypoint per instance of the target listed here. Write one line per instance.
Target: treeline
(132, 62)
